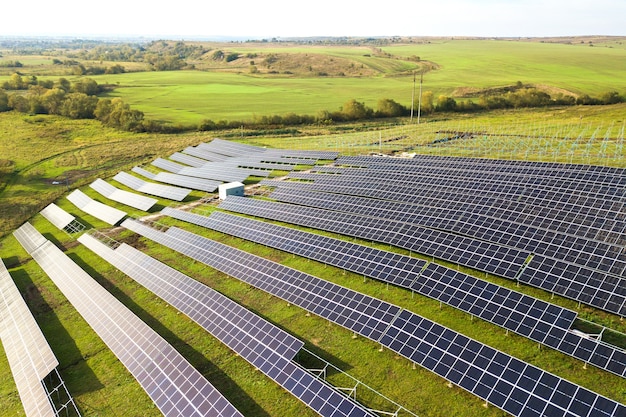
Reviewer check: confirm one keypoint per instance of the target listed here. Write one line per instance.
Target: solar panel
(222, 172)
(107, 214)
(137, 201)
(166, 376)
(188, 159)
(57, 216)
(204, 154)
(29, 355)
(599, 263)
(506, 382)
(578, 283)
(382, 265)
(510, 384)
(166, 165)
(600, 174)
(159, 190)
(230, 148)
(29, 237)
(182, 180)
(484, 256)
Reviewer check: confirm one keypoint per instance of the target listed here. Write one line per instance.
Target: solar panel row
(179, 180)
(204, 154)
(554, 169)
(107, 214)
(533, 318)
(235, 326)
(137, 201)
(172, 383)
(484, 256)
(188, 159)
(607, 187)
(512, 385)
(222, 172)
(264, 345)
(159, 190)
(167, 165)
(228, 148)
(28, 353)
(57, 216)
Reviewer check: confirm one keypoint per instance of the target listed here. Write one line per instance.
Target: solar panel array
(107, 214)
(176, 388)
(512, 385)
(29, 355)
(571, 217)
(264, 345)
(528, 231)
(179, 180)
(111, 192)
(165, 191)
(474, 253)
(535, 319)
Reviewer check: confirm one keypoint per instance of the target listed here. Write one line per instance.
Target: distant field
(191, 96)
(579, 68)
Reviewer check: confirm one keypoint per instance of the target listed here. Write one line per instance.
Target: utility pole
(413, 97)
(419, 106)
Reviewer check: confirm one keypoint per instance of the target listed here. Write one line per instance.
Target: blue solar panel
(451, 355)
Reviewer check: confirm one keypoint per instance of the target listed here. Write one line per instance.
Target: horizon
(280, 19)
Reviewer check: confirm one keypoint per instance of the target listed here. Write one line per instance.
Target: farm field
(462, 67)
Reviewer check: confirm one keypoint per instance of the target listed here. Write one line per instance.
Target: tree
(79, 106)
(35, 99)
(53, 100)
(428, 102)
(116, 113)
(16, 82)
(4, 101)
(354, 110)
(390, 108)
(611, 97)
(65, 85)
(445, 103)
(86, 86)
(19, 103)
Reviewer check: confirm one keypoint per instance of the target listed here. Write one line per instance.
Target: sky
(263, 19)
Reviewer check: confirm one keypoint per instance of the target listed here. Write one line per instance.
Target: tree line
(75, 100)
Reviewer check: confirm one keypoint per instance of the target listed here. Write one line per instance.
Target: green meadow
(461, 66)
(192, 96)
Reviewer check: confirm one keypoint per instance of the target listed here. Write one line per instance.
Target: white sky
(257, 19)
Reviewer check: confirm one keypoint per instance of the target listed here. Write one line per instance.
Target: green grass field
(191, 96)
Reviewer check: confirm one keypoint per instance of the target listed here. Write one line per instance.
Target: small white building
(230, 188)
